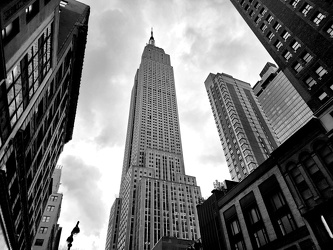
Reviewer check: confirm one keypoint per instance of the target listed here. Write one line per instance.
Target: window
(39, 242)
(285, 35)
(294, 3)
(322, 96)
(307, 57)
(234, 229)
(326, 154)
(257, 20)
(63, 3)
(320, 71)
(287, 55)
(306, 8)
(269, 18)
(263, 11)
(310, 82)
(263, 27)
(42, 230)
(277, 207)
(270, 35)
(53, 198)
(296, 45)
(46, 219)
(329, 30)
(300, 183)
(298, 67)
(253, 220)
(277, 26)
(10, 31)
(32, 10)
(257, 5)
(50, 208)
(318, 18)
(278, 44)
(315, 173)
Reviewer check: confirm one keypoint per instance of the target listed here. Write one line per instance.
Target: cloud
(82, 199)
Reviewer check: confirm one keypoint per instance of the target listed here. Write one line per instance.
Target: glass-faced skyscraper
(285, 109)
(246, 136)
(157, 198)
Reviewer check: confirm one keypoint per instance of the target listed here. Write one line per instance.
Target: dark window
(234, 229)
(254, 222)
(314, 172)
(46, 2)
(277, 208)
(32, 10)
(39, 242)
(42, 230)
(326, 154)
(10, 31)
(300, 183)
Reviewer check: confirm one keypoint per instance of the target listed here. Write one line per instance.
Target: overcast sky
(201, 36)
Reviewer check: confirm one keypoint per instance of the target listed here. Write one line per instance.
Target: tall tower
(247, 138)
(284, 107)
(157, 198)
(298, 35)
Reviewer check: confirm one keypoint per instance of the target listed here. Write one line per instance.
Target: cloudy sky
(201, 36)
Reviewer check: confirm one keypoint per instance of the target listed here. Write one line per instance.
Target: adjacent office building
(157, 197)
(49, 231)
(112, 233)
(42, 48)
(298, 34)
(284, 107)
(286, 203)
(246, 136)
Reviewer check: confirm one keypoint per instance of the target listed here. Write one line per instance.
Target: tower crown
(151, 39)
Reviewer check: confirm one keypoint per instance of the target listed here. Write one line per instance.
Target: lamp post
(75, 231)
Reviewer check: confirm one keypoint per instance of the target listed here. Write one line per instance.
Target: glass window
(296, 45)
(263, 27)
(306, 8)
(269, 18)
(270, 35)
(285, 35)
(318, 18)
(307, 57)
(277, 26)
(287, 55)
(299, 182)
(298, 67)
(320, 71)
(42, 230)
(39, 242)
(50, 208)
(278, 44)
(294, 3)
(32, 10)
(329, 30)
(322, 96)
(46, 219)
(310, 81)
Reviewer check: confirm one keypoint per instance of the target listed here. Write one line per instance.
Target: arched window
(314, 172)
(325, 154)
(300, 183)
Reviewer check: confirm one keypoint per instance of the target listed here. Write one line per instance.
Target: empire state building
(156, 197)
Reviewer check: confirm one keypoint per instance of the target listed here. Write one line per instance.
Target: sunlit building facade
(42, 47)
(284, 107)
(157, 197)
(246, 136)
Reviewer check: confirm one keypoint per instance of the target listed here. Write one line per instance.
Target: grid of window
(318, 18)
(46, 219)
(50, 208)
(321, 71)
(30, 72)
(42, 230)
(306, 9)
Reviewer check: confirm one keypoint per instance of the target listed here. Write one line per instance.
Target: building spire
(152, 40)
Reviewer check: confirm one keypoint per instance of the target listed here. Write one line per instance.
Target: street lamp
(75, 231)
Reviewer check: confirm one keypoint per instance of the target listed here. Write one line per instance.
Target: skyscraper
(247, 138)
(284, 27)
(285, 109)
(42, 48)
(49, 231)
(157, 198)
